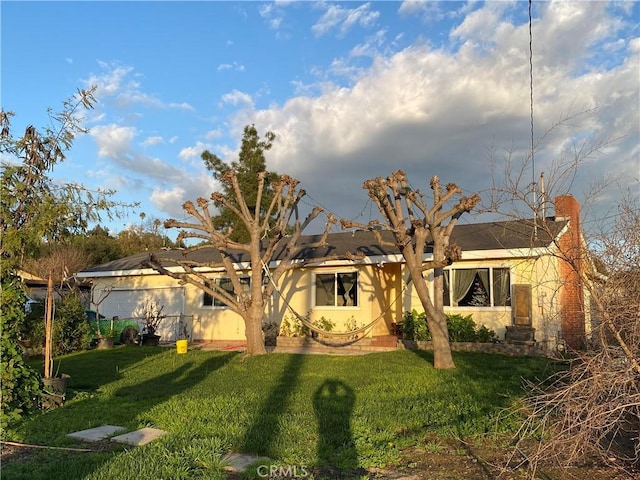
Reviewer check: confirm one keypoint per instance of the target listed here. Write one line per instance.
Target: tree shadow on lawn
(123, 408)
(261, 436)
(161, 387)
(94, 368)
(495, 382)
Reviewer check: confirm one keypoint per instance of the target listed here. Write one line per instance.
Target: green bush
(70, 329)
(414, 326)
(461, 329)
(293, 327)
(20, 383)
(32, 329)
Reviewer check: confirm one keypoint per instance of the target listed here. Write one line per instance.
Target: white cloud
(231, 66)
(236, 97)
(113, 140)
(431, 112)
(192, 152)
(343, 19)
(169, 199)
(151, 141)
(217, 133)
(116, 81)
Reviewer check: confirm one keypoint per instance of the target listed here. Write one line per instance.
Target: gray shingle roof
(470, 237)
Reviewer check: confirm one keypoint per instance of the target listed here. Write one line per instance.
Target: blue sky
(353, 90)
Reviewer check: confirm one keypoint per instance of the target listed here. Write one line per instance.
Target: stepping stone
(95, 434)
(139, 437)
(238, 462)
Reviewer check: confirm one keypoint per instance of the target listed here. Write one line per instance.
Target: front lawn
(320, 412)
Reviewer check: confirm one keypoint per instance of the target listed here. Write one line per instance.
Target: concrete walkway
(136, 438)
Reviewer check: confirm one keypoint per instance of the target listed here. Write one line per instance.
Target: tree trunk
(442, 358)
(253, 331)
(437, 322)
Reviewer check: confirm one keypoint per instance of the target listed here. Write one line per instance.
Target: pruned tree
(274, 231)
(418, 227)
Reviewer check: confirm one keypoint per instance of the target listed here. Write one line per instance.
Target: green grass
(312, 411)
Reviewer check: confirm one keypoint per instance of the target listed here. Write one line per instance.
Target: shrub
(324, 324)
(71, 329)
(461, 329)
(20, 383)
(414, 326)
(293, 327)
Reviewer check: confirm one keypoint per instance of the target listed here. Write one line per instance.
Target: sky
(352, 90)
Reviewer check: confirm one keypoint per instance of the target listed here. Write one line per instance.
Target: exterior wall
(541, 273)
(384, 293)
(378, 290)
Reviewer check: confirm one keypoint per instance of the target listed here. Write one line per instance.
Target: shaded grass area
(333, 412)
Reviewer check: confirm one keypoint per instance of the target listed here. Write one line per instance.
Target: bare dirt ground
(438, 461)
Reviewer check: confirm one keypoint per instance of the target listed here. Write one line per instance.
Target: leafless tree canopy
(592, 409)
(274, 231)
(416, 225)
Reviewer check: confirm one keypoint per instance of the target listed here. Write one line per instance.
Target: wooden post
(48, 330)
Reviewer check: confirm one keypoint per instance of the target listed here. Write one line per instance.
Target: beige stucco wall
(379, 290)
(384, 293)
(541, 273)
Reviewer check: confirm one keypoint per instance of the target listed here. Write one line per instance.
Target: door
(521, 305)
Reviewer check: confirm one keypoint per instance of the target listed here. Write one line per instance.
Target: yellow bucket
(181, 346)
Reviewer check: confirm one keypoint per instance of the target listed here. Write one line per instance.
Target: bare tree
(416, 226)
(591, 408)
(274, 234)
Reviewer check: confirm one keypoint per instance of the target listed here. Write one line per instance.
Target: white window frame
(491, 289)
(335, 306)
(245, 281)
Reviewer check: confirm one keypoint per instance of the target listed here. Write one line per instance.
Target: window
(477, 287)
(337, 290)
(225, 284)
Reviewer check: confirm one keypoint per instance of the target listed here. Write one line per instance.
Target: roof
(506, 235)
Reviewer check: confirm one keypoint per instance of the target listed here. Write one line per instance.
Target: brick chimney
(572, 311)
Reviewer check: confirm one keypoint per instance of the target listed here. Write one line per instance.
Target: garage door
(130, 303)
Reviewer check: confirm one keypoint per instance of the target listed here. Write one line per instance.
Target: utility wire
(533, 160)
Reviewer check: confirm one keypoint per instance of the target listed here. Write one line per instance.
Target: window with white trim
(225, 284)
(477, 287)
(339, 289)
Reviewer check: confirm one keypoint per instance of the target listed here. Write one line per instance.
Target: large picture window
(336, 290)
(225, 284)
(477, 287)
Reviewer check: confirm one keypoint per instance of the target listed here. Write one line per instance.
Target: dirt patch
(484, 460)
(434, 460)
(23, 453)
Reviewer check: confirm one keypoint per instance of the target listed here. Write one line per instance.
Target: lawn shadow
(426, 355)
(263, 432)
(105, 366)
(124, 408)
(173, 382)
(333, 404)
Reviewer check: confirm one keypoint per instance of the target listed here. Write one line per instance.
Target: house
(515, 277)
